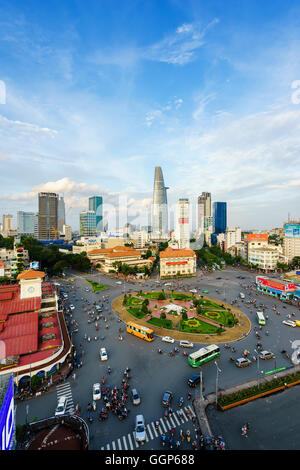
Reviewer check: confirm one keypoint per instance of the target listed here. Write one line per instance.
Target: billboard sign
(292, 230)
(34, 265)
(7, 417)
(274, 284)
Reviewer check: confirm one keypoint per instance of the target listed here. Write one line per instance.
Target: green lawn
(164, 323)
(136, 312)
(96, 286)
(220, 316)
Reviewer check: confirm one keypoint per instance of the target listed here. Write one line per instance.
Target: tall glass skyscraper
(48, 211)
(27, 223)
(96, 205)
(220, 217)
(160, 206)
(88, 224)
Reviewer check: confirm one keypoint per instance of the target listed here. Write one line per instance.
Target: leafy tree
(163, 316)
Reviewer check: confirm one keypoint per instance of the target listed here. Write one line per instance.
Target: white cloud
(20, 126)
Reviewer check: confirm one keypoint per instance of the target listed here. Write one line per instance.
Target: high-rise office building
(182, 223)
(48, 216)
(159, 206)
(61, 213)
(204, 212)
(291, 240)
(96, 205)
(220, 217)
(28, 223)
(87, 224)
(7, 224)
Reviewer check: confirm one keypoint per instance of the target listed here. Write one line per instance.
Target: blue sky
(99, 92)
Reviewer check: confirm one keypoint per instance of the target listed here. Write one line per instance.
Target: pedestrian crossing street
(128, 442)
(64, 390)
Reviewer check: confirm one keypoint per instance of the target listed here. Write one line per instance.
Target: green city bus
(260, 318)
(206, 354)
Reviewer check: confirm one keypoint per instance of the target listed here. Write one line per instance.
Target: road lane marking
(149, 430)
(125, 443)
(130, 442)
(163, 425)
(154, 429)
(114, 445)
(119, 443)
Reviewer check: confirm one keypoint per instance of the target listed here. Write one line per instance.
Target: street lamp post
(201, 385)
(258, 376)
(217, 383)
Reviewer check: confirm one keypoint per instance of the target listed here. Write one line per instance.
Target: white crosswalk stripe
(149, 430)
(64, 390)
(130, 442)
(178, 418)
(154, 429)
(163, 425)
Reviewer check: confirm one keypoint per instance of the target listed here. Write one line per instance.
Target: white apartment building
(265, 257)
(140, 238)
(233, 235)
(182, 224)
(67, 232)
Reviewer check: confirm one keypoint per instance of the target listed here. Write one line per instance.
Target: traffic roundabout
(195, 318)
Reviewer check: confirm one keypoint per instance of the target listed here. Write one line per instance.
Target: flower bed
(194, 325)
(255, 391)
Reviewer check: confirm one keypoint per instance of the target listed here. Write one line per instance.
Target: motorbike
(185, 353)
(171, 354)
(157, 424)
(109, 370)
(159, 351)
(163, 440)
(231, 359)
(188, 435)
(180, 402)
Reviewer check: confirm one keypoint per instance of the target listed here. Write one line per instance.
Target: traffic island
(211, 312)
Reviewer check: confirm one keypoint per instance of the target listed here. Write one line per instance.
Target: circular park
(196, 318)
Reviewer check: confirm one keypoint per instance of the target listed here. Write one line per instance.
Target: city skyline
(177, 86)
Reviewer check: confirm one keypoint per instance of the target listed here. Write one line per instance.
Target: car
(218, 278)
(96, 391)
(140, 431)
(289, 323)
(72, 307)
(119, 282)
(194, 291)
(87, 290)
(194, 380)
(168, 339)
(266, 355)
(186, 344)
(167, 398)
(61, 406)
(103, 354)
(135, 398)
(242, 362)
(205, 291)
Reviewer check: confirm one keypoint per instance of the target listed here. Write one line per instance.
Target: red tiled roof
(177, 253)
(21, 345)
(6, 295)
(20, 305)
(31, 274)
(20, 334)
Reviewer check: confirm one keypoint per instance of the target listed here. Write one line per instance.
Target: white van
(242, 296)
(61, 406)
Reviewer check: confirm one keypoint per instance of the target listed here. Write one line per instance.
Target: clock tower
(31, 283)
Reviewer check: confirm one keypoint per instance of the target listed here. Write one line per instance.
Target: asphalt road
(152, 374)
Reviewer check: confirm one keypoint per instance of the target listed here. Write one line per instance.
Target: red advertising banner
(183, 220)
(275, 284)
